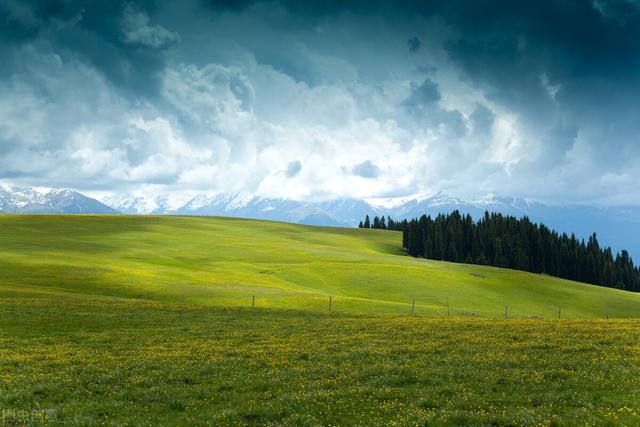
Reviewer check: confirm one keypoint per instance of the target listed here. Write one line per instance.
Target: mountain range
(31, 200)
(618, 227)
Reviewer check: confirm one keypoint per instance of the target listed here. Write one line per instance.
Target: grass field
(147, 321)
(225, 262)
(82, 362)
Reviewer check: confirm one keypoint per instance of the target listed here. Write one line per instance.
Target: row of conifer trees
(517, 243)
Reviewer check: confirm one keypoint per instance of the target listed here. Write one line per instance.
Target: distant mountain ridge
(340, 213)
(30, 200)
(618, 227)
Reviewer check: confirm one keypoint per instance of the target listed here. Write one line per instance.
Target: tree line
(382, 223)
(516, 243)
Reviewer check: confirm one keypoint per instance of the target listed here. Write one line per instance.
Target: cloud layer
(317, 100)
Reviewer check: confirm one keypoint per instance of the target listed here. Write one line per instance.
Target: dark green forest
(516, 243)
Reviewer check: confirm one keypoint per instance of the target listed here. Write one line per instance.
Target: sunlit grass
(225, 262)
(148, 321)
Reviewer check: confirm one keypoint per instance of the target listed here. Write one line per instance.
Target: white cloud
(287, 113)
(550, 89)
(137, 29)
(216, 97)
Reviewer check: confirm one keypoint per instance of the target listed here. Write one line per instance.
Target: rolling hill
(142, 320)
(226, 261)
(616, 226)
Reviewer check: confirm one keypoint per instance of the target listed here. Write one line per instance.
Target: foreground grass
(146, 321)
(121, 362)
(225, 261)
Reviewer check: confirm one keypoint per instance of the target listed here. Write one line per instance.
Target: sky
(319, 100)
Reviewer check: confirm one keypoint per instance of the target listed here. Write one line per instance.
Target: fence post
(448, 311)
(559, 311)
(606, 313)
(329, 304)
(413, 306)
(506, 311)
(253, 301)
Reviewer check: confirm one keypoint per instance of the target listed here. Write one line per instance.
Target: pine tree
(391, 224)
(506, 241)
(376, 222)
(482, 260)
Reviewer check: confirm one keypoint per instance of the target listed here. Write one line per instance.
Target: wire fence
(440, 307)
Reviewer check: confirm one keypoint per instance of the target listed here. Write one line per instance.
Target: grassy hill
(225, 262)
(147, 321)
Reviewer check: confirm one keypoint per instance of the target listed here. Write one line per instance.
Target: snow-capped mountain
(49, 201)
(618, 227)
(145, 204)
(442, 203)
(243, 205)
(251, 206)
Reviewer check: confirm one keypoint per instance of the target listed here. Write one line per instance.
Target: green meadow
(227, 262)
(125, 320)
(102, 362)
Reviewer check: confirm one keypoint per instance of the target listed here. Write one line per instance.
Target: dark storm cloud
(542, 90)
(569, 69)
(497, 39)
(507, 46)
(414, 44)
(424, 105)
(425, 93)
(96, 31)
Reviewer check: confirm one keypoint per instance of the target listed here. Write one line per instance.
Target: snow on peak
(140, 203)
(389, 202)
(198, 202)
(491, 200)
(395, 202)
(240, 200)
(441, 200)
(58, 192)
(26, 199)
